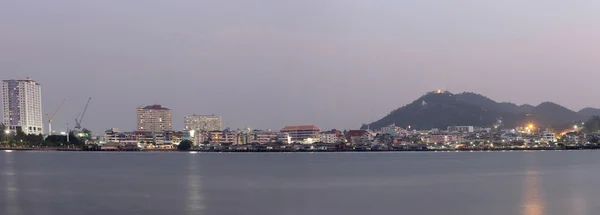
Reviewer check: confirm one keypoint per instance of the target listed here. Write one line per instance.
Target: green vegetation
(592, 125)
(20, 139)
(185, 145)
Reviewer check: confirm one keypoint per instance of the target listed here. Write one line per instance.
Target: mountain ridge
(440, 109)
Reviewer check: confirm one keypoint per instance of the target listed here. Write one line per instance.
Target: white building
(22, 102)
(203, 123)
(548, 136)
(328, 137)
(466, 129)
(391, 129)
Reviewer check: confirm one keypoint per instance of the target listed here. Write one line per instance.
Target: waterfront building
(22, 102)
(201, 123)
(284, 138)
(572, 137)
(154, 118)
(122, 138)
(223, 137)
(302, 132)
(358, 136)
(443, 138)
(329, 137)
(264, 137)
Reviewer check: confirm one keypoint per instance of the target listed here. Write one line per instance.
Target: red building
(302, 132)
(357, 136)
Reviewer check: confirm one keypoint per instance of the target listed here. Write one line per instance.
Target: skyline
(334, 64)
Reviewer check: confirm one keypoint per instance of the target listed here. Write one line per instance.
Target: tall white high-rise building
(203, 123)
(22, 102)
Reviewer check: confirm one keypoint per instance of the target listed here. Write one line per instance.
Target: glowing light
(193, 152)
(575, 127)
(8, 150)
(7, 131)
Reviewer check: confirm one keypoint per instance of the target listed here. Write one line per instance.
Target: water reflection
(12, 191)
(533, 204)
(195, 204)
(578, 198)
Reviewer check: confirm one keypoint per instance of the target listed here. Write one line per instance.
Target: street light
(7, 132)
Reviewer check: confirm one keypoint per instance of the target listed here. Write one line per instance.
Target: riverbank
(574, 148)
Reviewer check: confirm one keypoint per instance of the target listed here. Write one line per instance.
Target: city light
(7, 131)
(531, 126)
(575, 127)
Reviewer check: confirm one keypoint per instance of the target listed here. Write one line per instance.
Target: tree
(592, 125)
(85, 134)
(61, 140)
(185, 145)
(2, 132)
(20, 135)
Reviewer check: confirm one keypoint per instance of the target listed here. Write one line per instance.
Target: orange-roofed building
(302, 132)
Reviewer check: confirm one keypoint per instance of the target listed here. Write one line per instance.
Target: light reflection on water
(12, 191)
(549, 183)
(195, 204)
(578, 198)
(533, 204)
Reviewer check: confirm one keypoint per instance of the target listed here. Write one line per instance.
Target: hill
(443, 109)
(589, 112)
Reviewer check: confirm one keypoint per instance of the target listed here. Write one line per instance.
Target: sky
(265, 64)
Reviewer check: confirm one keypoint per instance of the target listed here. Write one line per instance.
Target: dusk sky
(270, 63)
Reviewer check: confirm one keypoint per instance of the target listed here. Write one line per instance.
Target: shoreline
(300, 151)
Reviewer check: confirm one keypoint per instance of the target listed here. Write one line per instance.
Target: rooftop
(156, 107)
(21, 80)
(299, 127)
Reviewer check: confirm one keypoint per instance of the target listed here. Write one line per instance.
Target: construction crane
(51, 117)
(78, 121)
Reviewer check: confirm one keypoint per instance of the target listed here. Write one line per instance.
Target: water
(491, 183)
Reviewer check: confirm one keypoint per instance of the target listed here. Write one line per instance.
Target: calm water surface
(491, 183)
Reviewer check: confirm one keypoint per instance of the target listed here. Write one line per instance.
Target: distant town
(23, 127)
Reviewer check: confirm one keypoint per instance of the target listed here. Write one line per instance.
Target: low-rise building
(443, 138)
(391, 129)
(264, 137)
(328, 137)
(358, 136)
(511, 137)
(548, 136)
(461, 129)
(300, 133)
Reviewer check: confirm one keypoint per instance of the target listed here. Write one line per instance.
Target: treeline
(20, 139)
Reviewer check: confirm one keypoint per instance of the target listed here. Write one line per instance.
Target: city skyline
(332, 64)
